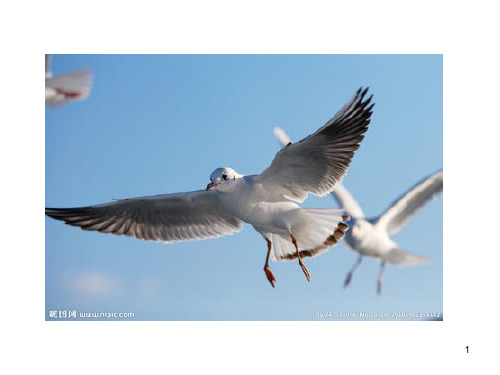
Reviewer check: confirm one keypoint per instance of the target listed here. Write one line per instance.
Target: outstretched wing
(343, 196)
(403, 209)
(172, 217)
(317, 162)
(346, 201)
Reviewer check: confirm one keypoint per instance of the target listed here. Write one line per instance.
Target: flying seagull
(371, 237)
(67, 87)
(266, 201)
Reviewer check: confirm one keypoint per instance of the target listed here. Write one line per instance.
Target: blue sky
(162, 123)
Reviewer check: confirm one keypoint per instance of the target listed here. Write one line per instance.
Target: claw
(270, 276)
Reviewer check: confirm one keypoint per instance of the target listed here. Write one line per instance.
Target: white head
(222, 179)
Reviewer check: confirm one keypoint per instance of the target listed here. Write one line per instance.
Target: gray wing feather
(168, 218)
(404, 208)
(316, 163)
(345, 200)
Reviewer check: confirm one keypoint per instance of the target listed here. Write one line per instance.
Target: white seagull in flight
(67, 87)
(266, 201)
(370, 237)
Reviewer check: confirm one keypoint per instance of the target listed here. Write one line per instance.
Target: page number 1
(467, 348)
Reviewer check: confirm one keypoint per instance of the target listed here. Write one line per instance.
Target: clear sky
(159, 124)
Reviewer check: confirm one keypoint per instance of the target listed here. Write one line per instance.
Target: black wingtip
(53, 212)
(60, 213)
(363, 93)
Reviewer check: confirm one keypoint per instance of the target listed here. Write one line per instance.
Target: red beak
(211, 185)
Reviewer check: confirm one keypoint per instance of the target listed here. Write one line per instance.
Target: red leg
(267, 270)
(301, 263)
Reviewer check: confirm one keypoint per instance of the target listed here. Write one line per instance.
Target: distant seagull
(67, 87)
(313, 165)
(371, 236)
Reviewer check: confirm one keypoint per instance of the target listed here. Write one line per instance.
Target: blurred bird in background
(67, 87)
(371, 236)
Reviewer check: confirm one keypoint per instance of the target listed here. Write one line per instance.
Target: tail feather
(326, 229)
(403, 258)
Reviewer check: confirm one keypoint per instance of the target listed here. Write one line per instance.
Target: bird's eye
(224, 176)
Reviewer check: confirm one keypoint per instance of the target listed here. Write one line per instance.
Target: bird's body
(266, 201)
(367, 239)
(371, 237)
(251, 202)
(276, 217)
